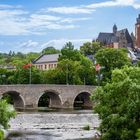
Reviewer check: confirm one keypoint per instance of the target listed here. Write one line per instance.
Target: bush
(6, 113)
(118, 105)
(138, 134)
(1, 135)
(87, 127)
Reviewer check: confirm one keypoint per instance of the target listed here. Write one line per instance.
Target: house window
(45, 66)
(55, 65)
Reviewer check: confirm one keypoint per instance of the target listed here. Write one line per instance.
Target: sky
(32, 25)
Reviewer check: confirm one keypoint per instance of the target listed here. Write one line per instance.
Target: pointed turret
(138, 19)
(115, 29)
(137, 31)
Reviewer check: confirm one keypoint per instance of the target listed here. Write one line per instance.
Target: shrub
(87, 127)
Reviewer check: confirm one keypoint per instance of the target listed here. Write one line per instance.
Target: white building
(46, 61)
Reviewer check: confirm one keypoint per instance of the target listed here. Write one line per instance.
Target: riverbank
(54, 126)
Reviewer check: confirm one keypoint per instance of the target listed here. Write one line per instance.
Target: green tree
(118, 105)
(22, 76)
(109, 59)
(138, 134)
(53, 76)
(1, 135)
(71, 72)
(6, 113)
(87, 71)
(50, 50)
(70, 69)
(3, 76)
(90, 48)
(30, 57)
(68, 52)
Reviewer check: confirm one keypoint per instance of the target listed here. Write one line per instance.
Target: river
(62, 125)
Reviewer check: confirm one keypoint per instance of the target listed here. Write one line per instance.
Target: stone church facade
(116, 39)
(121, 38)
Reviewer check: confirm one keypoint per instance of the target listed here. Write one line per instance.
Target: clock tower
(137, 30)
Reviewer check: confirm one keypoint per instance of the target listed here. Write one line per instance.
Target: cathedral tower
(137, 30)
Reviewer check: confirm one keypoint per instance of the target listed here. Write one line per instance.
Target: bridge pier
(67, 104)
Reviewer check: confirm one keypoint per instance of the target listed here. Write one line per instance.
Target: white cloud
(12, 22)
(20, 22)
(16, 21)
(88, 9)
(3, 6)
(112, 3)
(69, 10)
(59, 43)
(62, 27)
(34, 46)
(71, 20)
(28, 44)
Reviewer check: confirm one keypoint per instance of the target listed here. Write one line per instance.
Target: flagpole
(30, 72)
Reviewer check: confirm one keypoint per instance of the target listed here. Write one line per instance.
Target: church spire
(138, 19)
(115, 29)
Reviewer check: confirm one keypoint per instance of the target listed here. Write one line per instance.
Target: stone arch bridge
(61, 96)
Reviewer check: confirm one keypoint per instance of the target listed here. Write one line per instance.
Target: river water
(62, 125)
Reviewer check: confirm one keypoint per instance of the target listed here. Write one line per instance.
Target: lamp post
(2, 78)
(97, 68)
(67, 82)
(84, 80)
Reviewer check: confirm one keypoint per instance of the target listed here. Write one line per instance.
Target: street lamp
(84, 80)
(67, 82)
(97, 68)
(2, 78)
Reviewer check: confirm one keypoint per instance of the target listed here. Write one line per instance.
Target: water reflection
(39, 136)
(30, 135)
(76, 110)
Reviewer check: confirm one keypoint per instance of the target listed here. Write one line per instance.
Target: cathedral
(116, 39)
(121, 38)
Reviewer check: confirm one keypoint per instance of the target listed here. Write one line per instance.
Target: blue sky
(31, 25)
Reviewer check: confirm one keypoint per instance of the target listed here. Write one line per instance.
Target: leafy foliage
(118, 105)
(1, 135)
(109, 59)
(50, 50)
(6, 113)
(73, 68)
(68, 52)
(90, 48)
(22, 76)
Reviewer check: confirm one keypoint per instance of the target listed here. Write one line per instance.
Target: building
(137, 32)
(46, 61)
(8, 67)
(116, 39)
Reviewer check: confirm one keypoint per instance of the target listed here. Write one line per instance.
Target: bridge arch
(82, 100)
(16, 99)
(49, 98)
